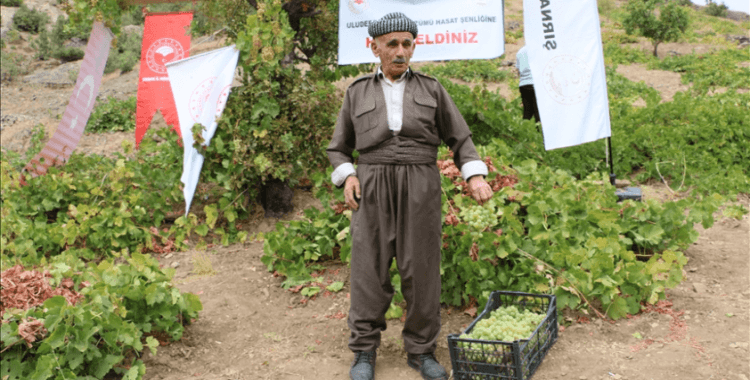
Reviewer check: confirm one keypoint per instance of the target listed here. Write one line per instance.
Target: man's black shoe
(363, 366)
(427, 366)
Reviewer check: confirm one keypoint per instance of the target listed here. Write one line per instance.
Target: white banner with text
(564, 45)
(448, 29)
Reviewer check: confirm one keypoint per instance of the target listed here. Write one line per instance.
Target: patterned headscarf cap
(392, 22)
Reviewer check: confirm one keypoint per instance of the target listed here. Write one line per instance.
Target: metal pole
(612, 175)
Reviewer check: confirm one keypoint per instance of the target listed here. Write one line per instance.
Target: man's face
(395, 51)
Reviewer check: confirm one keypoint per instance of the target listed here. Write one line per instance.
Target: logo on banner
(88, 82)
(199, 96)
(161, 52)
(567, 79)
(222, 101)
(358, 6)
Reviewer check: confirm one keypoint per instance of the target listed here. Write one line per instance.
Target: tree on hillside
(658, 20)
(275, 127)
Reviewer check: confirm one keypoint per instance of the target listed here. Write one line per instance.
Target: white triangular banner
(201, 85)
(564, 45)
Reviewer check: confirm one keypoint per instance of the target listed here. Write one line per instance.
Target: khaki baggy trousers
(399, 217)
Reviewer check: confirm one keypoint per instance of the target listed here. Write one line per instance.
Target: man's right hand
(352, 191)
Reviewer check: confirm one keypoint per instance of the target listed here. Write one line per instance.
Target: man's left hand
(480, 189)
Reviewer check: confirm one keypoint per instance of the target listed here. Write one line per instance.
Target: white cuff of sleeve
(342, 171)
(471, 169)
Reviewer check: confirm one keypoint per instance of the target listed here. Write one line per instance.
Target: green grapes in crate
(505, 324)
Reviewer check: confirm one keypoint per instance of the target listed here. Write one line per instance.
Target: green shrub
(694, 141)
(721, 68)
(618, 37)
(63, 31)
(616, 54)
(713, 9)
(43, 46)
(669, 138)
(125, 54)
(113, 116)
(51, 44)
(12, 65)
(68, 54)
(276, 125)
(606, 6)
(17, 160)
(576, 230)
(30, 20)
(95, 204)
(133, 17)
(11, 3)
(124, 305)
(655, 20)
(13, 37)
(478, 70)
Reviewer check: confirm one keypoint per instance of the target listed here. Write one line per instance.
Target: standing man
(395, 119)
(526, 86)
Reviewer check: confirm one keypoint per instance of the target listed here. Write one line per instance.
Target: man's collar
(380, 74)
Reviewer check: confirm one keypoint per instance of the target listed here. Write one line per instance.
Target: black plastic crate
(474, 359)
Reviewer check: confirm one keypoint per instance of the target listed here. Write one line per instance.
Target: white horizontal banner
(564, 46)
(448, 29)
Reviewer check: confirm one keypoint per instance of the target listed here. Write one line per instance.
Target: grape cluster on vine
(479, 218)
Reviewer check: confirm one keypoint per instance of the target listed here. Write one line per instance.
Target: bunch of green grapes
(479, 217)
(505, 324)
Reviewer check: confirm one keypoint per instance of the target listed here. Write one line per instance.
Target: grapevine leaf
(618, 308)
(192, 302)
(310, 291)
(57, 338)
(212, 215)
(652, 233)
(342, 235)
(44, 366)
(56, 302)
(105, 365)
(152, 344)
(394, 312)
(335, 287)
(136, 371)
(202, 230)
(74, 359)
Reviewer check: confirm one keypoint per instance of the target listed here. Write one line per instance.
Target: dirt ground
(251, 328)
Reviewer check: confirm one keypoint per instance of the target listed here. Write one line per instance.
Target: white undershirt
(394, 100)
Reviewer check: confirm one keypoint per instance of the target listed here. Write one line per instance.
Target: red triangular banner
(165, 39)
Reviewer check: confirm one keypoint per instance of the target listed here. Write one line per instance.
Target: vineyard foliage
(113, 115)
(125, 308)
(89, 222)
(553, 225)
(549, 233)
